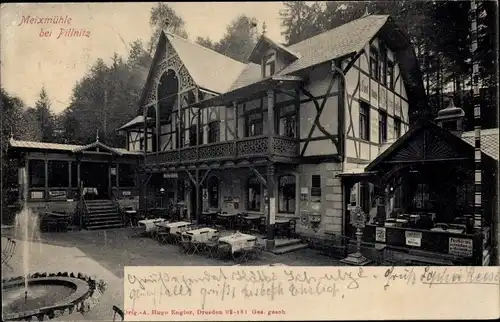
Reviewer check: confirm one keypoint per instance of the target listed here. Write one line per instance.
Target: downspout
(334, 68)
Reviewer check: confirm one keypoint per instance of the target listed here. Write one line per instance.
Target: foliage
(163, 17)
(44, 116)
(438, 30)
(238, 41)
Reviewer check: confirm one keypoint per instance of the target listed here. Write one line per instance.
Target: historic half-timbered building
(271, 137)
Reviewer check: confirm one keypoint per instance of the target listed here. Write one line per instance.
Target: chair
(262, 225)
(119, 312)
(8, 252)
(185, 243)
(254, 252)
(211, 247)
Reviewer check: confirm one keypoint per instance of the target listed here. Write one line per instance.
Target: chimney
(451, 118)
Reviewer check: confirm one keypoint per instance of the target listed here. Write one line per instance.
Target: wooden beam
(259, 176)
(191, 177)
(204, 176)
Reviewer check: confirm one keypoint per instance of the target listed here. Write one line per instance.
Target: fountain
(46, 296)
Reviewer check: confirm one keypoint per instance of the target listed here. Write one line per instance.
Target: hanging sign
(170, 175)
(205, 194)
(113, 171)
(380, 234)
(460, 247)
(272, 211)
(413, 238)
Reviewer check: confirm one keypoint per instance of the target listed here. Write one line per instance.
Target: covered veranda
(422, 211)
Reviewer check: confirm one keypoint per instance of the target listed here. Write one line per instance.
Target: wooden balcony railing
(227, 150)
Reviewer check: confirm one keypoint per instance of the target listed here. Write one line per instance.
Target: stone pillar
(271, 207)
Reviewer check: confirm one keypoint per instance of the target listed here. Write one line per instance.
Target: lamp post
(162, 192)
(358, 221)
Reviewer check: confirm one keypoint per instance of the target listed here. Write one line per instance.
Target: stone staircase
(283, 246)
(102, 214)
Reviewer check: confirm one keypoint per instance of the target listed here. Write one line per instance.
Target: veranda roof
(33, 145)
(489, 141)
(251, 91)
(135, 122)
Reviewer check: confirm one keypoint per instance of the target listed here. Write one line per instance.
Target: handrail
(115, 202)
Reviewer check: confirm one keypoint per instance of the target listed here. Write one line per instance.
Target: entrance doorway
(95, 175)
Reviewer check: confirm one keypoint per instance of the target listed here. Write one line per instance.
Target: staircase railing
(117, 206)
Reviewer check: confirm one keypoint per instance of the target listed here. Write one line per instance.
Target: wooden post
(271, 207)
(109, 177)
(78, 178)
(117, 175)
(270, 121)
(478, 203)
(70, 190)
(145, 113)
(237, 120)
(197, 202)
(46, 178)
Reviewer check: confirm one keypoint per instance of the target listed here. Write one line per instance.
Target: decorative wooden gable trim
(425, 142)
(96, 147)
(165, 58)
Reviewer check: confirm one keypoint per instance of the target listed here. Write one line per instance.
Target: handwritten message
(67, 31)
(277, 293)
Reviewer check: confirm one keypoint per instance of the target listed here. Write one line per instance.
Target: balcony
(227, 150)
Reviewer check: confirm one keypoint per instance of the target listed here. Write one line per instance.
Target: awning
(253, 90)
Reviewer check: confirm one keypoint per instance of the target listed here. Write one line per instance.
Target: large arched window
(254, 194)
(286, 194)
(213, 185)
(168, 88)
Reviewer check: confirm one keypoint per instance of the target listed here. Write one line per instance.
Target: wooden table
(201, 234)
(229, 217)
(150, 224)
(281, 221)
(239, 241)
(176, 227)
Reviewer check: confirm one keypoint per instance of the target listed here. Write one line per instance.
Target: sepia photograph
(353, 134)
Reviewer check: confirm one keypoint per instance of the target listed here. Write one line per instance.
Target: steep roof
(489, 141)
(209, 69)
(335, 43)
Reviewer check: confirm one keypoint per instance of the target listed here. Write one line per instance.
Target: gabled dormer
(271, 56)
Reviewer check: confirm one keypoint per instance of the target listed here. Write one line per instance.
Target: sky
(31, 60)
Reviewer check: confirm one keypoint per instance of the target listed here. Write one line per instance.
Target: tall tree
(45, 116)
(238, 41)
(163, 17)
(300, 20)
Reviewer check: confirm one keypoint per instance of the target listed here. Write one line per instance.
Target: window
(179, 142)
(383, 64)
(126, 175)
(254, 124)
(269, 65)
(364, 121)
(397, 128)
(213, 192)
(74, 174)
(192, 135)
(382, 127)
(36, 173)
(141, 143)
(58, 174)
(213, 132)
(286, 194)
(390, 74)
(180, 190)
(288, 126)
(374, 63)
(253, 194)
(316, 187)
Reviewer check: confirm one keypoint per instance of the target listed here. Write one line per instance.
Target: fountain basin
(48, 296)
